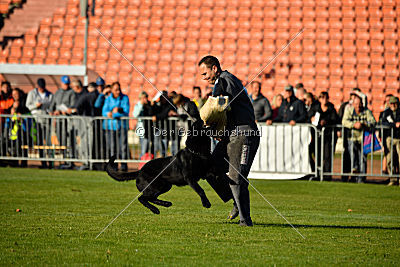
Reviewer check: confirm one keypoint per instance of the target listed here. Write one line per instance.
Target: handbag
(370, 140)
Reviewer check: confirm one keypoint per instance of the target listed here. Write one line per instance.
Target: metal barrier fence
(92, 140)
(89, 140)
(354, 157)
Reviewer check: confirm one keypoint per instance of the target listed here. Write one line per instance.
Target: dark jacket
(161, 110)
(330, 116)
(295, 110)
(241, 109)
(262, 108)
(389, 118)
(85, 104)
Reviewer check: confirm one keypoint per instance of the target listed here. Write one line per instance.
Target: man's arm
(346, 121)
(267, 111)
(123, 111)
(31, 105)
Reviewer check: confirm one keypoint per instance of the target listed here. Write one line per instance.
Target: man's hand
(323, 122)
(339, 133)
(397, 124)
(357, 125)
(38, 105)
(172, 113)
(154, 118)
(69, 111)
(115, 110)
(269, 122)
(109, 114)
(292, 123)
(57, 112)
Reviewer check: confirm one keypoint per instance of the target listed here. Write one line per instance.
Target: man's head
(77, 86)
(41, 83)
(100, 84)
(308, 99)
(357, 103)
(116, 89)
(300, 91)
(288, 91)
(255, 88)
(387, 98)
(5, 87)
(210, 69)
(196, 92)
(178, 100)
(65, 81)
(354, 92)
(91, 87)
(143, 98)
(393, 103)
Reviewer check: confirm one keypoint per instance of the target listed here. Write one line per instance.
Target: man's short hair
(77, 83)
(196, 88)
(143, 93)
(299, 85)
(259, 84)
(5, 82)
(210, 61)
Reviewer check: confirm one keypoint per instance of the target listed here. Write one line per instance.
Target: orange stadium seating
(345, 43)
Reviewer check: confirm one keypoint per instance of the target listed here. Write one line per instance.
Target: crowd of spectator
(294, 105)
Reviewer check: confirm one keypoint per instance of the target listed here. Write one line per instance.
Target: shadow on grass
(327, 226)
(321, 226)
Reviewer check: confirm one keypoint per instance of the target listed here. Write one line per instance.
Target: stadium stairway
(29, 16)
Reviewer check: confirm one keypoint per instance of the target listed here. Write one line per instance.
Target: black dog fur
(187, 167)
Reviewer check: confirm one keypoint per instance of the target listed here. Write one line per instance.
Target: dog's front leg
(204, 200)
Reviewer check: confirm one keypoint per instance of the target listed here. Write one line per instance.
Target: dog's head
(198, 138)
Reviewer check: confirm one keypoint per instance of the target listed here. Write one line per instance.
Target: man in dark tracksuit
(241, 145)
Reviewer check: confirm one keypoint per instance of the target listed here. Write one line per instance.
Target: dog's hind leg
(145, 202)
(161, 202)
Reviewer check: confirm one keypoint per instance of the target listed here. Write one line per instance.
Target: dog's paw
(206, 203)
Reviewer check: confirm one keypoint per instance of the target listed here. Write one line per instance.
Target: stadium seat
(349, 58)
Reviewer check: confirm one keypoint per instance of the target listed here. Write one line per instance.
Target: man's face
(64, 86)
(116, 91)
(393, 106)
(100, 88)
(255, 89)
(76, 88)
(300, 93)
(287, 94)
(208, 74)
(357, 103)
(197, 93)
(144, 100)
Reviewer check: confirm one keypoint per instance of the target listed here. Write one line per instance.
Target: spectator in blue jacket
(115, 107)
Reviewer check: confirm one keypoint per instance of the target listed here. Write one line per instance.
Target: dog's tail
(119, 176)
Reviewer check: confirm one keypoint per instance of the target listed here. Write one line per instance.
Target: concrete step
(29, 16)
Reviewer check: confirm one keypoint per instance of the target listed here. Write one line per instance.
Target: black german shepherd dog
(187, 167)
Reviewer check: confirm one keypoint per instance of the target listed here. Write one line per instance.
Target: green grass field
(63, 211)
